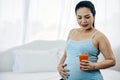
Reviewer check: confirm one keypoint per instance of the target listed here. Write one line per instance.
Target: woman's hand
(62, 71)
(87, 65)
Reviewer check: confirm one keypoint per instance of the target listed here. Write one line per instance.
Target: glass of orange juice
(83, 56)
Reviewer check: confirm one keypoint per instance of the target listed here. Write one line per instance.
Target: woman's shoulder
(100, 35)
(73, 30)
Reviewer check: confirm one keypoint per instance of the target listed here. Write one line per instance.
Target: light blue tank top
(73, 49)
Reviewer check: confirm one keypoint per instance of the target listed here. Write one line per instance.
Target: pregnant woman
(86, 39)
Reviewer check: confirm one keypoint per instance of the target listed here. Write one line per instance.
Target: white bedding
(107, 74)
(29, 76)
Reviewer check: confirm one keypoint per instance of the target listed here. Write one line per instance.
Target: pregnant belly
(73, 66)
(74, 69)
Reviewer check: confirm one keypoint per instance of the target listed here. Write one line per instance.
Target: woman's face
(85, 18)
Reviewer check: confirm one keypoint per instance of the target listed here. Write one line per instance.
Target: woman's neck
(86, 30)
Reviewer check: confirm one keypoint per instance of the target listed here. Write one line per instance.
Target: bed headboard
(7, 58)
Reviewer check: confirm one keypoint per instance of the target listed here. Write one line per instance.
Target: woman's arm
(105, 48)
(102, 43)
(64, 55)
(61, 65)
(62, 60)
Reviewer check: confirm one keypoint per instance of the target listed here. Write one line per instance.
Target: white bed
(29, 76)
(38, 60)
(107, 74)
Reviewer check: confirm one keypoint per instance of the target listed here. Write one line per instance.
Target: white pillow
(35, 61)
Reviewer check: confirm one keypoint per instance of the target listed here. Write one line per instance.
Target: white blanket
(29, 76)
(107, 74)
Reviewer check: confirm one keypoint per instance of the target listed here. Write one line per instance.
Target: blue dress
(73, 49)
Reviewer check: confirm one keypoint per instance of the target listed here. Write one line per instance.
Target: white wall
(23, 21)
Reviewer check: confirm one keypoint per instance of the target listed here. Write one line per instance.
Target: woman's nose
(83, 20)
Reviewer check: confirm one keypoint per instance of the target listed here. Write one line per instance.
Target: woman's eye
(79, 18)
(87, 17)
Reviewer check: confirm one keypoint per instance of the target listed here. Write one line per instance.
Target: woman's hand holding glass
(84, 63)
(87, 65)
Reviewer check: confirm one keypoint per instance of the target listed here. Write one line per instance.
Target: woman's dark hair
(86, 4)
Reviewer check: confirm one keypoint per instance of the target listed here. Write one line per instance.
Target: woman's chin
(85, 28)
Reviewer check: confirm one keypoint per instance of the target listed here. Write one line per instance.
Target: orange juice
(83, 56)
